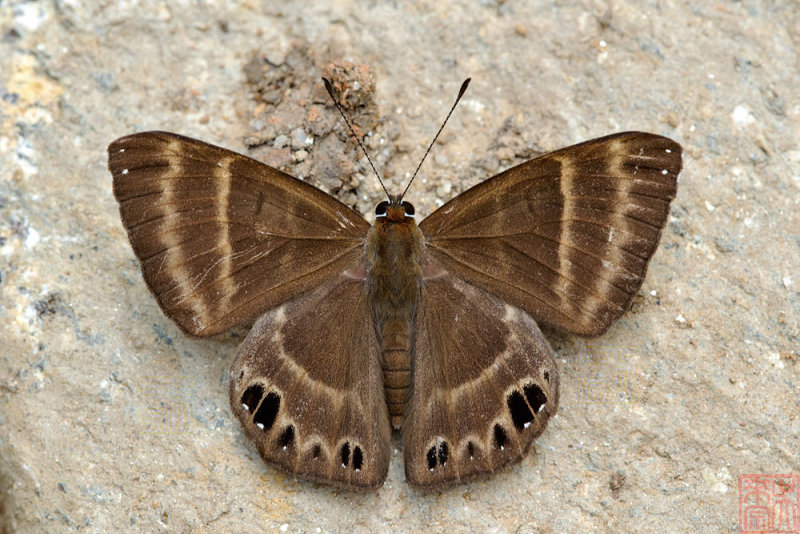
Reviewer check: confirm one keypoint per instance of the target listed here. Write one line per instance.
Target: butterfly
(430, 328)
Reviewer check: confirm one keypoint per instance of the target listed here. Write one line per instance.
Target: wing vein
(243, 303)
(513, 285)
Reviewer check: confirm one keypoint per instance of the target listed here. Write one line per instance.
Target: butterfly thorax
(394, 254)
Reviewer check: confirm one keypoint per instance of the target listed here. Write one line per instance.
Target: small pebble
(673, 119)
(280, 142)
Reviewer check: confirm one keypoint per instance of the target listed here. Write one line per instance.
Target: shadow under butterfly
(361, 328)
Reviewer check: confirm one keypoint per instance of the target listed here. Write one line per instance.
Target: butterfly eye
(409, 208)
(380, 209)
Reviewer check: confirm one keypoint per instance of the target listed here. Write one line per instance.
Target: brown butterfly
(362, 327)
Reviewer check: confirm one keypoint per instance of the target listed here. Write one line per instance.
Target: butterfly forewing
(307, 387)
(222, 237)
(567, 236)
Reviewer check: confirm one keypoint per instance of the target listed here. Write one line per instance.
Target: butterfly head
(395, 210)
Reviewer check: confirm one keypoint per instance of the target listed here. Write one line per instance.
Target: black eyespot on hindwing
(287, 437)
(443, 453)
(535, 395)
(500, 437)
(265, 417)
(358, 458)
(251, 396)
(520, 413)
(351, 455)
(437, 456)
(431, 457)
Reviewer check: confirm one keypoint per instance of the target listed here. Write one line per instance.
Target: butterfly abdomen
(396, 365)
(394, 257)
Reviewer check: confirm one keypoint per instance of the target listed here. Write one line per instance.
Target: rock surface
(112, 419)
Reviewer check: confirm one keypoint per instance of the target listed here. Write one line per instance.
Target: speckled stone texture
(112, 420)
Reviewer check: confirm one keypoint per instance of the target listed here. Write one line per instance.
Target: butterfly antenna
(460, 94)
(329, 88)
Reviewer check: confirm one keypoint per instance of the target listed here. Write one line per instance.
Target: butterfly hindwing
(567, 236)
(222, 237)
(312, 401)
(485, 384)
